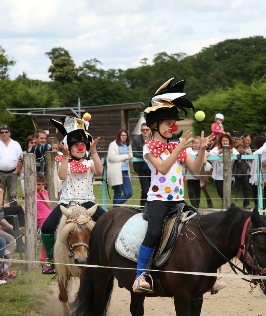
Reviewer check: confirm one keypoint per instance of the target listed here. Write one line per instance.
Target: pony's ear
(176, 137)
(66, 211)
(256, 219)
(242, 131)
(231, 132)
(92, 210)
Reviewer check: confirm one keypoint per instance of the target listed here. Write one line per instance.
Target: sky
(119, 33)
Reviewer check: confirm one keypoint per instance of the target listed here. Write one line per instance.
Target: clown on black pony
(166, 161)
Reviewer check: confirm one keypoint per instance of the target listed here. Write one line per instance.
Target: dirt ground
(234, 300)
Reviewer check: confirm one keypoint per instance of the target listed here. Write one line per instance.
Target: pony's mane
(230, 225)
(64, 228)
(78, 211)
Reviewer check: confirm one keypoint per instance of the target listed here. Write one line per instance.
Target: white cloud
(120, 33)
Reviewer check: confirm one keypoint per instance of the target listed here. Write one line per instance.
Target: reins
(232, 265)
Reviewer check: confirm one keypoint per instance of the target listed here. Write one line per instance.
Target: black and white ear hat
(73, 130)
(167, 102)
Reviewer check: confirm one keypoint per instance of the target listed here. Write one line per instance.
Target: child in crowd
(193, 179)
(43, 208)
(217, 171)
(5, 273)
(55, 145)
(166, 161)
(2, 249)
(217, 127)
(6, 249)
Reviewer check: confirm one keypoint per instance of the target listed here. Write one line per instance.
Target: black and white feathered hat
(167, 102)
(73, 130)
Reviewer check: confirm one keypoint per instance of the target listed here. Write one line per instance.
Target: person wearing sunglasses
(142, 168)
(10, 164)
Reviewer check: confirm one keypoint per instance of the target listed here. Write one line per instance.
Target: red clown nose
(174, 128)
(80, 147)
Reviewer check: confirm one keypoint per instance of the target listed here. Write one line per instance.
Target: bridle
(237, 139)
(71, 247)
(250, 258)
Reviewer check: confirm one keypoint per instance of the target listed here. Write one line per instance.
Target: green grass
(26, 293)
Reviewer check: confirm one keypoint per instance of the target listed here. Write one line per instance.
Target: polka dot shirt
(169, 187)
(78, 186)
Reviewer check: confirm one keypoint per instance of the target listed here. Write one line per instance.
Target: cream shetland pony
(72, 247)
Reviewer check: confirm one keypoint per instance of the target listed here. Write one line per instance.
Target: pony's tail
(108, 294)
(83, 303)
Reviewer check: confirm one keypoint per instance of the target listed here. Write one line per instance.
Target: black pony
(205, 243)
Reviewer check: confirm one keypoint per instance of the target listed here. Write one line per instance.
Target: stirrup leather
(144, 289)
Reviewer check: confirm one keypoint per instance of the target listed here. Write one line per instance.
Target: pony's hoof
(217, 287)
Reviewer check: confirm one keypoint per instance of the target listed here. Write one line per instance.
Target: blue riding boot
(140, 283)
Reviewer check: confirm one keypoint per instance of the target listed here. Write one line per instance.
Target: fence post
(227, 173)
(51, 177)
(30, 210)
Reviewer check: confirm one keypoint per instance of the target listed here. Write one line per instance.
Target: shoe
(48, 267)
(7, 277)
(218, 286)
(2, 282)
(140, 284)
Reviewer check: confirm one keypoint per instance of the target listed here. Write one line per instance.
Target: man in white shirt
(10, 164)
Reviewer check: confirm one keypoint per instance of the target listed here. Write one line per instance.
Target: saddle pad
(131, 236)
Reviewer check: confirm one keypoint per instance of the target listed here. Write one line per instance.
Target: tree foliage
(57, 52)
(243, 106)
(63, 68)
(5, 64)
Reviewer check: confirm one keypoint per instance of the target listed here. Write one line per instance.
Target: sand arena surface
(234, 300)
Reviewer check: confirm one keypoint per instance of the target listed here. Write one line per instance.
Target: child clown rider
(76, 171)
(166, 161)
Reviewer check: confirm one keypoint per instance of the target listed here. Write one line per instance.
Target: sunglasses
(145, 129)
(6, 132)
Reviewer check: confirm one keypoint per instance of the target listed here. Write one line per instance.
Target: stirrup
(144, 289)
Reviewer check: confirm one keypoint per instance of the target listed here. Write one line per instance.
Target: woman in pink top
(43, 206)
